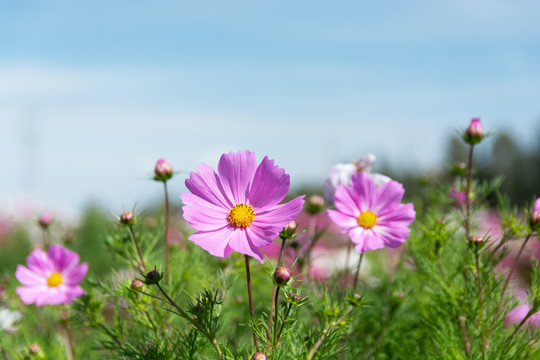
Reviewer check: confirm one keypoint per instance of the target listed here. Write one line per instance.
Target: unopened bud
(315, 204)
(127, 218)
(474, 133)
(163, 170)
(459, 168)
(137, 284)
(294, 299)
(153, 277)
(288, 231)
(282, 275)
(259, 356)
(476, 241)
(34, 348)
(45, 220)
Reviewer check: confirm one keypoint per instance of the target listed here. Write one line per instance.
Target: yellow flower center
(367, 219)
(241, 215)
(54, 280)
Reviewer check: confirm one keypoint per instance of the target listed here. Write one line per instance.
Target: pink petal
(39, 262)
(262, 236)
(63, 258)
(270, 184)
(280, 215)
(240, 243)
(28, 277)
(75, 275)
(392, 236)
(236, 172)
(387, 195)
(215, 242)
(203, 215)
(372, 241)
(402, 213)
(343, 220)
(29, 294)
(206, 184)
(364, 187)
(347, 201)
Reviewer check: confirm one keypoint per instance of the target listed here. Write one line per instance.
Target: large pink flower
(51, 278)
(238, 208)
(373, 216)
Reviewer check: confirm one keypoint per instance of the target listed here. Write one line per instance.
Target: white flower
(342, 173)
(8, 319)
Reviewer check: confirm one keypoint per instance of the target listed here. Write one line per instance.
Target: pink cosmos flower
(51, 278)
(475, 132)
(238, 208)
(372, 216)
(535, 214)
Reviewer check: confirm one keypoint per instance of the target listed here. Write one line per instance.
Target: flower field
(242, 267)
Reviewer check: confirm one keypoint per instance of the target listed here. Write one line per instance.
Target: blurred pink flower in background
(458, 197)
(51, 278)
(238, 208)
(517, 314)
(372, 216)
(341, 174)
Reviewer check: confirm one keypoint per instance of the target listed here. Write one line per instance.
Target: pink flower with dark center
(238, 208)
(51, 278)
(373, 216)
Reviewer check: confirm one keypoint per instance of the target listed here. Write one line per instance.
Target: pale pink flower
(51, 278)
(372, 216)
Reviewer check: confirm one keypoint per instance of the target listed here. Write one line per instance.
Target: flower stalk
(251, 311)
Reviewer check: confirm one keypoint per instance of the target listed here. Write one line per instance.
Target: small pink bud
(259, 356)
(475, 132)
(127, 218)
(282, 275)
(163, 170)
(45, 220)
(137, 284)
(315, 204)
(34, 348)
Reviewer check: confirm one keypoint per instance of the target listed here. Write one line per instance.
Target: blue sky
(93, 93)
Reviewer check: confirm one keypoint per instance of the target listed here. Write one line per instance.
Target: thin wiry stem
(325, 333)
(279, 263)
(276, 304)
(358, 270)
(468, 195)
(480, 304)
(167, 244)
(137, 246)
(251, 311)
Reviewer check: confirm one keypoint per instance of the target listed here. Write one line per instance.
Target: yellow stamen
(54, 280)
(367, 219)
(241, 215)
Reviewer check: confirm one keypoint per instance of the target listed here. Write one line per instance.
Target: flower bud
(163, 170)
(127, 218)
(476, 241)
(474, 133)
(259, 356)
(288, 231)
(294, 299)
(34, 348)
(45, 220)
(137, 284)
(153, 277)
(459, 168)
(282, 275)
(315, 204)
(355, 300)
(535, 216)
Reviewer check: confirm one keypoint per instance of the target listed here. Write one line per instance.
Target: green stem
(480, 304)
(137, 246)
(276, 313)
(251, 311)
(358, 270)
(167, 240)
(468, 195)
